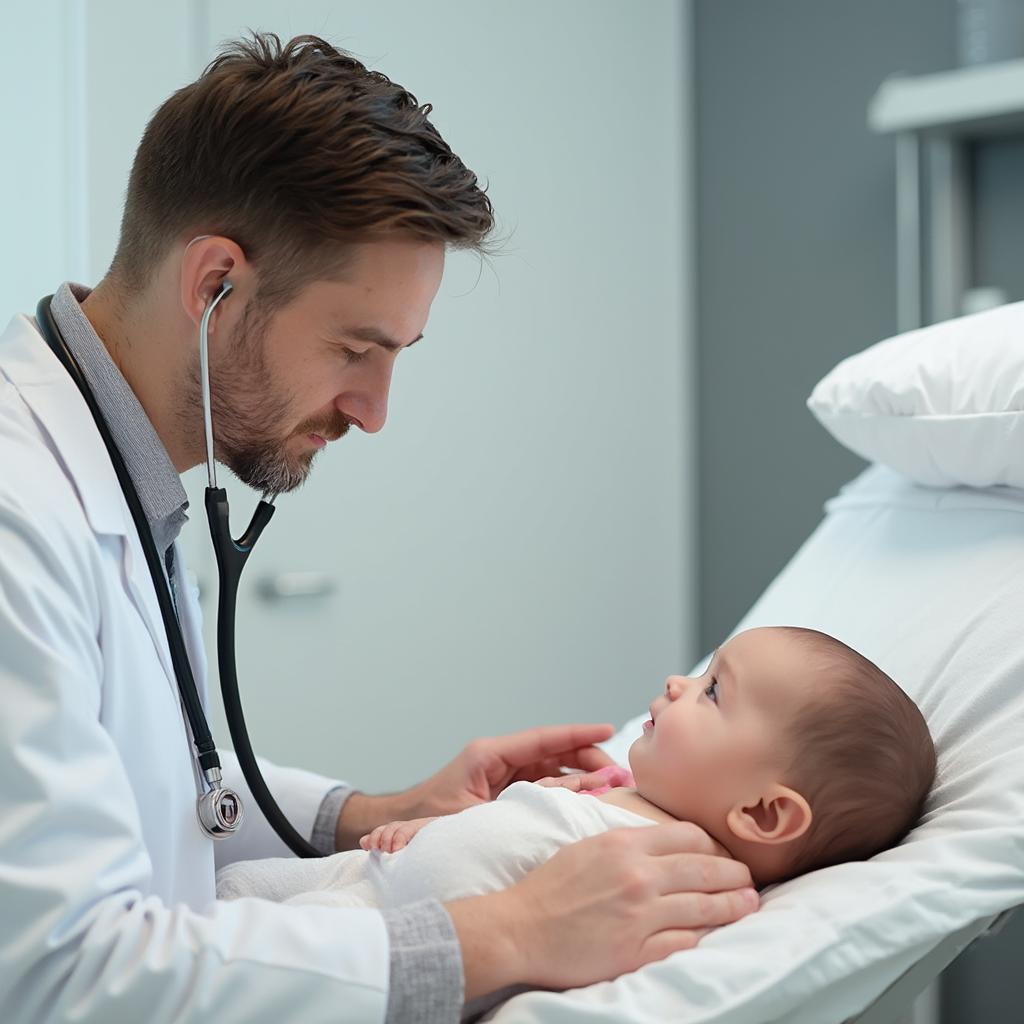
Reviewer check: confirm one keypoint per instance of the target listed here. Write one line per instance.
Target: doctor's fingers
(682, 837)
(574, 783)
(672, 940)
(588, 759)
(698, 912)
(604, 778)
(555, 742)
(698, 872)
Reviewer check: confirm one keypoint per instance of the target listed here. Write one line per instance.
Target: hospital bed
(924, 575)
(891, 1007)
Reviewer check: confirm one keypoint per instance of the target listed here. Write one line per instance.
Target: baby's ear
(780, 816)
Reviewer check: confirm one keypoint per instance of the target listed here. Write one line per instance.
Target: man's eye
(711, 692)
(354, 356)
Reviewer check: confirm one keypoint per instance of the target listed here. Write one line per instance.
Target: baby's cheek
(729, 771)
(682, 744)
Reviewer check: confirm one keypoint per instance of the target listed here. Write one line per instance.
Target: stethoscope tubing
(231, 557)
(204, 378)
(206, 749)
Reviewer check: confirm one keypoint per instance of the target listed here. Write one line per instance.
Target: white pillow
(944, 404)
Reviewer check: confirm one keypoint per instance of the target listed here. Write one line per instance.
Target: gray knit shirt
(426, 961)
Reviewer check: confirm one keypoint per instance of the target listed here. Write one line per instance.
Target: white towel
(482, 849)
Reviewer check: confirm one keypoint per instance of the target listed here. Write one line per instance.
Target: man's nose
(366, 404)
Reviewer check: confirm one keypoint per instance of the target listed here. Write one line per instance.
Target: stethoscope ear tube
(231, 558)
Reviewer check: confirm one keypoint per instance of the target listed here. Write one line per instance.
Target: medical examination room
(644, 645)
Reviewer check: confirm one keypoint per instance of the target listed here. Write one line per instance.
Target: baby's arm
(393, 836)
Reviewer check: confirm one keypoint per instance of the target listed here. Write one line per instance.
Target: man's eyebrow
(375, 336)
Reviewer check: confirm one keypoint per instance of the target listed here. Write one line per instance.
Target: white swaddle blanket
(482, 849)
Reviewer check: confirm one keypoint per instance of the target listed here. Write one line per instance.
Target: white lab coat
(107, 909)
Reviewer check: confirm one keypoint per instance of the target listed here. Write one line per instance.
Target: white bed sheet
(930, 585)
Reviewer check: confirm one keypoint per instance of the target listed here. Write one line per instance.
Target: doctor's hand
(600, 908)
(486, 766)
(609, 777)
(478, 774)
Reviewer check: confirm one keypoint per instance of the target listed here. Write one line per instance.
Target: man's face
(718, 739)
(282, 388)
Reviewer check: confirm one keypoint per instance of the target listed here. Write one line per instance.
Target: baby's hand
(393, 836)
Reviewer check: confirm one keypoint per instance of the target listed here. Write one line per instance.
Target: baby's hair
(865, 760)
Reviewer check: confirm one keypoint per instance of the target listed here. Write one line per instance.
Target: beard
(249, 407)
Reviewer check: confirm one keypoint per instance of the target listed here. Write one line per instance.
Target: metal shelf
(975, 101)
(935, 118)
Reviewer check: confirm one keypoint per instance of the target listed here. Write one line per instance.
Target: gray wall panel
(796, 261)
(998, 178)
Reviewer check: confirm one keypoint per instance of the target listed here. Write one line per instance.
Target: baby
(792, 750)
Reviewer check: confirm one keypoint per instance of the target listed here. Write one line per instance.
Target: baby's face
(717, 740)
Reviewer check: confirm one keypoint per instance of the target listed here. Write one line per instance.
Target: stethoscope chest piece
(220, 810)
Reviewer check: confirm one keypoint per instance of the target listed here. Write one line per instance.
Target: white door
(516, 546)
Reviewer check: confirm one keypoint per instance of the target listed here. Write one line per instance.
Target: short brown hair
(864, 759)
(294, 151)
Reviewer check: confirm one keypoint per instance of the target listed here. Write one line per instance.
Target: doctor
(322, 193)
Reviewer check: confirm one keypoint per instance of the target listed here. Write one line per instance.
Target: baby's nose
(674, 686)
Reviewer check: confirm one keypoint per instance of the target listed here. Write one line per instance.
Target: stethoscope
(219, 808)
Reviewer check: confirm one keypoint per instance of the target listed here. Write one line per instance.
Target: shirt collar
(161, 493)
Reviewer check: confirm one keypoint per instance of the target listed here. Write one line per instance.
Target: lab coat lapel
(190, 615)
(48, 390)
(143, 594)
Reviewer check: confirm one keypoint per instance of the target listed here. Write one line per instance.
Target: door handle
(286, 586)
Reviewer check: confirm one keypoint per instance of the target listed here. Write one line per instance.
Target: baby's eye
(711, 692)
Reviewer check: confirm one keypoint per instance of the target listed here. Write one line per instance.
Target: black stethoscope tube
(231, 558)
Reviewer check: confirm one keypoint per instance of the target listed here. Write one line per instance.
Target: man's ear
(779, 816)
(205, 263)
